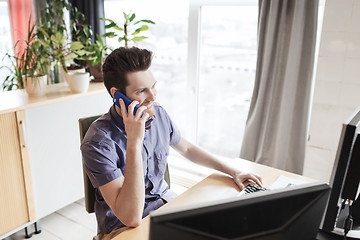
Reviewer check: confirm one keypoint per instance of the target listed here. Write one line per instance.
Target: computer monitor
(345, 181)
(290, 213)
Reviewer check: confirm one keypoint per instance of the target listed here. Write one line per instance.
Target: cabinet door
(54, 149)
(13, 199)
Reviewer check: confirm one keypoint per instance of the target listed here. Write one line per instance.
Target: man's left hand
(241, 178)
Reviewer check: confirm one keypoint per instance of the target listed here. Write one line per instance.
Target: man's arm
(126, 195)
(199, 156)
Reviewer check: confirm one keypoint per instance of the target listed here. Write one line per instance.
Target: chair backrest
(84, 124)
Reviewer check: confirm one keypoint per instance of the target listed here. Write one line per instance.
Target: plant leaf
(121, 39)
(45, 44)
(132, 17)
(138, 39)
(117, 28)
(109, 34)
(110, 25)
(142, 28)
(43, 32)
(145, 20)
(76, 45)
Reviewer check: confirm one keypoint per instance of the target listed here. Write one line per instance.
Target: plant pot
(96, 71)
(35, 85)
(80, 70)
(78, 81)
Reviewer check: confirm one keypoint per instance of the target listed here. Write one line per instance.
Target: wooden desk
(215, 187)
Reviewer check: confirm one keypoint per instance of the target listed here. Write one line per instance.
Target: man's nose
(152, 95)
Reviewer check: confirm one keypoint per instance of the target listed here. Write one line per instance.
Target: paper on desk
(283, 182)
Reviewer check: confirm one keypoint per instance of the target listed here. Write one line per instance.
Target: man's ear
(112, 91)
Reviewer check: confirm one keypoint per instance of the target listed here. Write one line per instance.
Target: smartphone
(127, 101)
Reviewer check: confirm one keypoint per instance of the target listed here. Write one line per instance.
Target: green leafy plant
(53, 33)
(97, 51)
(30, 60)
(130, 30)
(60, 50)
(93, 52)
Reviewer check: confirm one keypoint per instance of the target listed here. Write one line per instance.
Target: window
(226, 77)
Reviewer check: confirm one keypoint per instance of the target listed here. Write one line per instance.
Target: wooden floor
(69, 223)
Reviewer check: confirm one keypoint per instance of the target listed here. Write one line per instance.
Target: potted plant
(63, 54)
(62, 50)
(93, 53)
(95, 58)
(130, 30)
(28, 65)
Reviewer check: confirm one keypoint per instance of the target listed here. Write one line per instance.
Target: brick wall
(337, 85)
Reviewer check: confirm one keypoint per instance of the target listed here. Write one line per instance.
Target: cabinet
(40, 158)
(16, 201)
(54, 149)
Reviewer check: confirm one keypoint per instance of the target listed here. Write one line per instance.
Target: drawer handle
(23, 133)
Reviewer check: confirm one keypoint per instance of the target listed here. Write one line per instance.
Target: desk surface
(215, 187)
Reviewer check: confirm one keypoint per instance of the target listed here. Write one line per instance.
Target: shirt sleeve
(175, 134)
(100, 162)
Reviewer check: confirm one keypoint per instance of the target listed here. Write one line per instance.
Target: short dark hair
(121, 61)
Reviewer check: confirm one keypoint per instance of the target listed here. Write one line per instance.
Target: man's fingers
(122, 108)
(240, 184)
(242, 179)
(140, 111)
(259, 180)
(255, 178)
(145, 116)
(132, 106)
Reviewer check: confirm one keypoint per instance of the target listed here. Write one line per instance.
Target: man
(125, 154)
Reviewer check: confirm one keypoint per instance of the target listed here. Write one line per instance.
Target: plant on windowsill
(63, 51)
(95, 58)
(28, 65)
(130, 30)
(94, 53)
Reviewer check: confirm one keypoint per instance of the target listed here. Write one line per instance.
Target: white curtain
(276, 128)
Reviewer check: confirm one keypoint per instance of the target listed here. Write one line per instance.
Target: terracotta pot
(96, 71)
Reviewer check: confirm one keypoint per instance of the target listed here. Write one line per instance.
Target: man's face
(142, 88)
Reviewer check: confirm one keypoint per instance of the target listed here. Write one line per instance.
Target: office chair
(84, 124)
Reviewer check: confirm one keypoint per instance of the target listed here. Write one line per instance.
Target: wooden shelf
(19, 99)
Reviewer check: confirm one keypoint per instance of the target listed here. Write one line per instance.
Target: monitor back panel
(267, 216)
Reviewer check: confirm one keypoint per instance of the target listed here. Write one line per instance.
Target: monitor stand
(338, 232)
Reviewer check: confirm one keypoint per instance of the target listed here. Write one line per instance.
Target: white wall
(337, 85)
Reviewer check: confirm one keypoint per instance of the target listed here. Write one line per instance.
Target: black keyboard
(253, 188)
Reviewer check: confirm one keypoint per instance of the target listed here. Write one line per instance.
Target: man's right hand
(134, 124)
